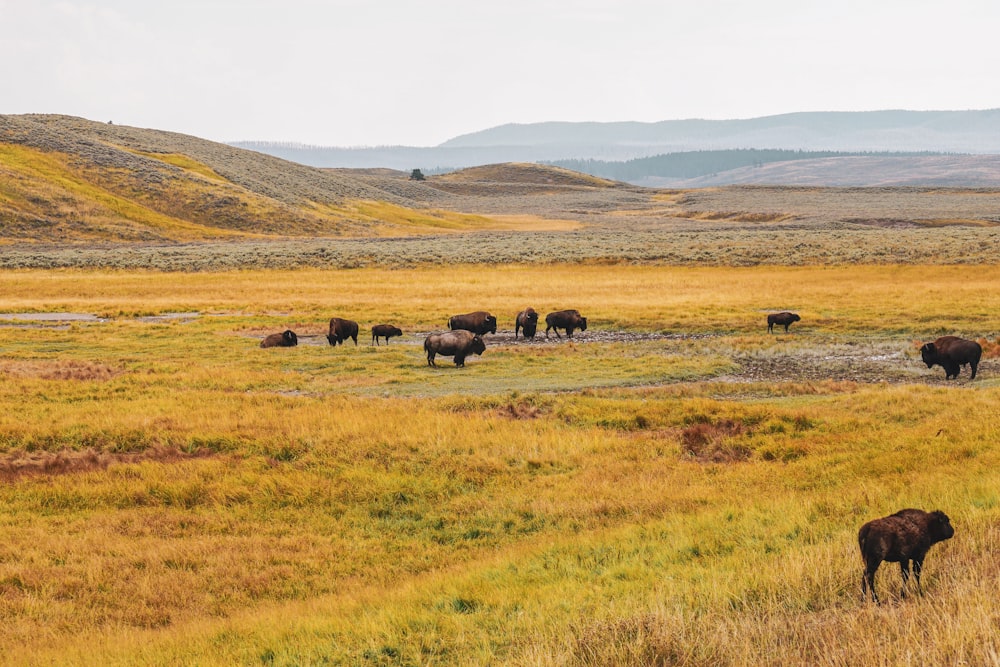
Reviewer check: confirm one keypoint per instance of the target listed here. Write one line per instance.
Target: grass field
(673, 486)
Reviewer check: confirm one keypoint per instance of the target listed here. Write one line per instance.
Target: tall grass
(174, 494)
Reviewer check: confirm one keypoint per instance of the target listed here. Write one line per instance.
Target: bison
(526, 321)
(386, 331)
(786, 318)
(951, 353)
(479, 322)
(341, 330)
(565, 319)
(900, 538)
(285, 339)
(458, 344)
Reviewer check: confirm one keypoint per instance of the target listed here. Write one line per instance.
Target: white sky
(418, 72)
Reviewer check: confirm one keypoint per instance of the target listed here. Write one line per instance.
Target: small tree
(416, 175)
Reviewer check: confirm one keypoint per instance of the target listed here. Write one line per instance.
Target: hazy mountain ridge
(946, 131)
(972, 132)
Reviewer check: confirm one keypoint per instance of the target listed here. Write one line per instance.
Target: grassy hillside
(72, 181)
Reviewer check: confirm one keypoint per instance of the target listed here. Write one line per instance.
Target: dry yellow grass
(176, 495)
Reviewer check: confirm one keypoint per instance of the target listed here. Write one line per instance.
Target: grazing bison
(565, 319)
(386, 331)
(785, 318)
(951, 353)
(526, 321)
(479, 322)
(341, 330)
(458, 344)
(899, 538)
(284, 339)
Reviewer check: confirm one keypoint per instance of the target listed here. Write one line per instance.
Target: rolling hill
(68, 180)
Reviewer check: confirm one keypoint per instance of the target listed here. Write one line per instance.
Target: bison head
(795, 317)
(478, 345)
(939, 526)
(290, 338)
(583, 324)
(491, 324)
(929, 354)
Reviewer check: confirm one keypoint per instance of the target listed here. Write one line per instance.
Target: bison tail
(863, 539)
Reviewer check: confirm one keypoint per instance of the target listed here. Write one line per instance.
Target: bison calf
(285, 339)
(900, 538)
(786, 318)
(526, 321)
(386, 331)
(951, 353)
(565, 319)
(458, 344)
(341, 330)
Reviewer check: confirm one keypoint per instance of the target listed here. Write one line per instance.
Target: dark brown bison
(386, 331)
(458, 344)
(900, 538)
(479, 322)
(285, 339)
(786, 318)
(526, 321)
(341, 330)
(951, 353)
(565, 319)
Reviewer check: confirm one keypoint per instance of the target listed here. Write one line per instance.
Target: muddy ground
(853, 361)
(868, 362)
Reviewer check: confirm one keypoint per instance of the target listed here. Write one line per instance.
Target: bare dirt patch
(714, 442)
(59, 370)
(15, 465)
(506, 337)
(860, 367)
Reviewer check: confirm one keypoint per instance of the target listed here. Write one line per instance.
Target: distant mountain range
(943, 132)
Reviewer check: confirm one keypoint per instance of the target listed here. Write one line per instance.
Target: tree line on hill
(692, 164)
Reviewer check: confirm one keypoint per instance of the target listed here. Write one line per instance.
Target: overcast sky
(418, 72)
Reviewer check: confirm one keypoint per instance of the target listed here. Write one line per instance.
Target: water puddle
(51, 317)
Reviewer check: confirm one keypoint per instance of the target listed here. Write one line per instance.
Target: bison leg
(974, 365)
(460, 360)
(904, 570)
(430, 359)
(918, 565)
(868, 578)
(786, 327)
(770, 327)
(868, 586)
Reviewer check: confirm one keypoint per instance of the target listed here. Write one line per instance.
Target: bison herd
(900, 538)
(452, 343)
(949, 352)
